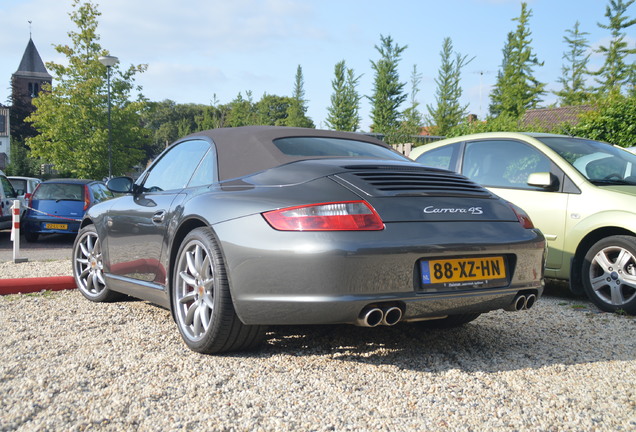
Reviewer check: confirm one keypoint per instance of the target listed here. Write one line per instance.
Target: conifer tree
(517, 89)
(448, 112)
(388, 91)
(343, 113)
(574, 91)
(297, 110)
(616, 73)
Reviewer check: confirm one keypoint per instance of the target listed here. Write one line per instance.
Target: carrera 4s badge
(451, 210)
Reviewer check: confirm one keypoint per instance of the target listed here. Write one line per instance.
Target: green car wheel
(609, 274)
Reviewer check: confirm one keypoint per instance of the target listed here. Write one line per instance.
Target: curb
(31, 285)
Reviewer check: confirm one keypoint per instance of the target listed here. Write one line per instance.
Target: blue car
(58, 206)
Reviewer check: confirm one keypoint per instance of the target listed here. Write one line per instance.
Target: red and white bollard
(15, 232)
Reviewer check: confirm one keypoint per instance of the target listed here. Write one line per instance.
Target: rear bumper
(329, 278)
(39, 225)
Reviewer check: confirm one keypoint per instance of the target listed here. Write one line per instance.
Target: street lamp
(109, 61)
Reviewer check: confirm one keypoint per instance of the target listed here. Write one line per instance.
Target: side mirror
(120, 185)
(544, 180)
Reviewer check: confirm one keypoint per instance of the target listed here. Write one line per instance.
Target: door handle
(159, 217)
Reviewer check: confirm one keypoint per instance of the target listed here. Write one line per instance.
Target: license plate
(56, 226)
(463, 271)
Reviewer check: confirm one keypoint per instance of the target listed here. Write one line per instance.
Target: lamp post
(109, 61)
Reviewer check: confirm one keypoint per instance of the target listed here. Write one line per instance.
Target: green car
(580, 193)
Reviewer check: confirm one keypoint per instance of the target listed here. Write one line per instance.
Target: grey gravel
(69, 364)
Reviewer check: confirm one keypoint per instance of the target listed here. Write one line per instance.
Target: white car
(7, 195)
(24, 187)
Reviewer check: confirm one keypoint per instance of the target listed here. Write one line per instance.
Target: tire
(609, 274)
(88, 267)
(201, 299)
(450, 321)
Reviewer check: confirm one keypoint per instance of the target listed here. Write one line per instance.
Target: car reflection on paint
(57, 206)
(237, 229)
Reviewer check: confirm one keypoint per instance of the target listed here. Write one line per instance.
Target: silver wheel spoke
(599, 282)
(188, 279)
(602, 261)
(617, 295)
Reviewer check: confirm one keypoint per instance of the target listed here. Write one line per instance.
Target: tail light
(336, 216)
(522, 216)
(87, 198)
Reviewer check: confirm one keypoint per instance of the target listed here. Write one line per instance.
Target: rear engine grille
(404, 181)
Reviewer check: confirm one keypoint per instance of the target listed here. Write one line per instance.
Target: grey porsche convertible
(237, 229)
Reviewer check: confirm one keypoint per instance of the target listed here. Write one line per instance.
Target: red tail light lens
(337, 216)
(523, 217)
(87, 198)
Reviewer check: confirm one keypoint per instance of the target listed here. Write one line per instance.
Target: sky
(199, 50)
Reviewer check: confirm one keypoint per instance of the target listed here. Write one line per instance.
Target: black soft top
(249, 149)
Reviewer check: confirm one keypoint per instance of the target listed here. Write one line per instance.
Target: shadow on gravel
(480, 346)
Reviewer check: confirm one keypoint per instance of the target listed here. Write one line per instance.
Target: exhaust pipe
(392, 316)
(531, 299)
(370, 317)
(518, 304)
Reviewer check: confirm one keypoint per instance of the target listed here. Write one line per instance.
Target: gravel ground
(69, 364)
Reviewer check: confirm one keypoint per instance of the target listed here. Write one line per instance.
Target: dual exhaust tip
(373, 316)
(522, 302)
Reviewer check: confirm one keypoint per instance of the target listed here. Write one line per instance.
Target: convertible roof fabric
(249, 149)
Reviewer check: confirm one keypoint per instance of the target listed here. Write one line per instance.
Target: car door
(138, 225)
(503, 166)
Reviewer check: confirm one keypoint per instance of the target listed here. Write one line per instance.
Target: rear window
(19, 185)
(333, 147)
(59, 191)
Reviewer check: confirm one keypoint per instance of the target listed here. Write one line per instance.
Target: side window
(205, 173)
(100, 193)
(503, 163)
(442, 157)
(8, 189)
(176, 166)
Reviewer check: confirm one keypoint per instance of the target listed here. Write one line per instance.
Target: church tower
(26, 83)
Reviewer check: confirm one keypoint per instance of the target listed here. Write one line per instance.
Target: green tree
(388, 91)
(242, 112)
(71, 116)
(448, 112)
(614, 121)
(272, 110)
(22, 164)
(517, 89)
(412, 117)
(343, 113)
(297, 110)
(615, 74)
(574, 90)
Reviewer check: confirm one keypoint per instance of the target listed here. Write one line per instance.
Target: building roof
(550, 118)
(32, 64)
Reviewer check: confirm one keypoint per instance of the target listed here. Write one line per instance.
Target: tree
(297, 110)
(614, 121)
(388, 91)
(412, 117)
(271, 110)
(71, 117)
(242, 112)
(615, 72)
(517, 89)
(574, 91)
(343, 114)
(448, 112)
